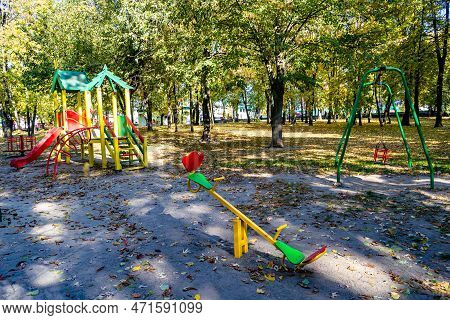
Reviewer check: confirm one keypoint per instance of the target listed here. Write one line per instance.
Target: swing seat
(381, 151)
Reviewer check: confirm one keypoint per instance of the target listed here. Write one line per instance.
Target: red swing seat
(381, 153)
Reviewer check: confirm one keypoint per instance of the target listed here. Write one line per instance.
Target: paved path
(140, 234)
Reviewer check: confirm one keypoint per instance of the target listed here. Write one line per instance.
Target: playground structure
(192, 162)
(381, 147)
(74, 130)
(20, 144)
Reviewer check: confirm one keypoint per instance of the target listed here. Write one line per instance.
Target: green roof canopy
(69, 81)
(112, 79)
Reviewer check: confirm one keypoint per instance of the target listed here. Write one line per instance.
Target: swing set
(381, 150)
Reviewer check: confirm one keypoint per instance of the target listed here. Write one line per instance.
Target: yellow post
(56, 107)
(88, 105)
(118, 166)
(64, 118)
(237, 237)
(240, 237)
(64, 110)
(128, 115)
(127, 103)
(80, 119)
(80, 108)
(101, 125)
(115, 116)
(145, 156)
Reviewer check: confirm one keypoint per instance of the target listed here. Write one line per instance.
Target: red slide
(37, 150)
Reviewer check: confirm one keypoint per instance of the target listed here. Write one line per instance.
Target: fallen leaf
(197, 296)
(136, 295)
(270, 277)
(33, 293)
(136, 268)
(260, 291)
(395, 295)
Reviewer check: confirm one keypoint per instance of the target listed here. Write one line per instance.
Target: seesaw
(192, 162)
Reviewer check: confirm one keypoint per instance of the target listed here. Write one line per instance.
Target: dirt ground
(142, 235)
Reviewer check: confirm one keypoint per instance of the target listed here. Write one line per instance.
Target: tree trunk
(212, 119)
(5, 112)
(301, 109)
(149, 115)
(329, 115)
(441, 61)
(197, 109)
(439, 88)
(191, 118)
(277, 90)
(293, 115)
(206, 135)
(33, 121)
(377, 102)
(310, 117)
(269, 104)
(16, 116)
(244, 96)
(407, 114)
(313, 101)
(28, 121)
(175, 107)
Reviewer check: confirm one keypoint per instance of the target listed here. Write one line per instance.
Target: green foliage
(317, 48)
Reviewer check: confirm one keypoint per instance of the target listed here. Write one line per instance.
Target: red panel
(193, 161)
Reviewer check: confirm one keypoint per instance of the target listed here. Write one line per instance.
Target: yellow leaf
(270, 277)
(197, 296)
(190, 264)
(395, 295)
(260, 291)
(136, 268)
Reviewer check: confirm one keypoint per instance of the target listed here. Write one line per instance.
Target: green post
(418, 126)
(399, 122)
(402, 132)
(348, 129)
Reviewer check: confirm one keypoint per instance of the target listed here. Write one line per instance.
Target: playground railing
(20, 143)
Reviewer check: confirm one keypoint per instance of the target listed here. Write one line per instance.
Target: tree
(271, 31)
(440, 36)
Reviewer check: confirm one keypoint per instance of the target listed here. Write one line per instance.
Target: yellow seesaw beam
(242, 216)
(239, 214)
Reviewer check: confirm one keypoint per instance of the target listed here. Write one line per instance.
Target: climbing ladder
(131, 148)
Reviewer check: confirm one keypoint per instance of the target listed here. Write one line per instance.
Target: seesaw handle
(216, 182)
(279, 231)
(192, 189)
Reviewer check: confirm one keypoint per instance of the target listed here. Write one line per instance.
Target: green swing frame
(342, 146)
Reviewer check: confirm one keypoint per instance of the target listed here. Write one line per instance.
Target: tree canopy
(270, 56)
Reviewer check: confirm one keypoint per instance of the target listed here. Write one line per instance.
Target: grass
(307, 148)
